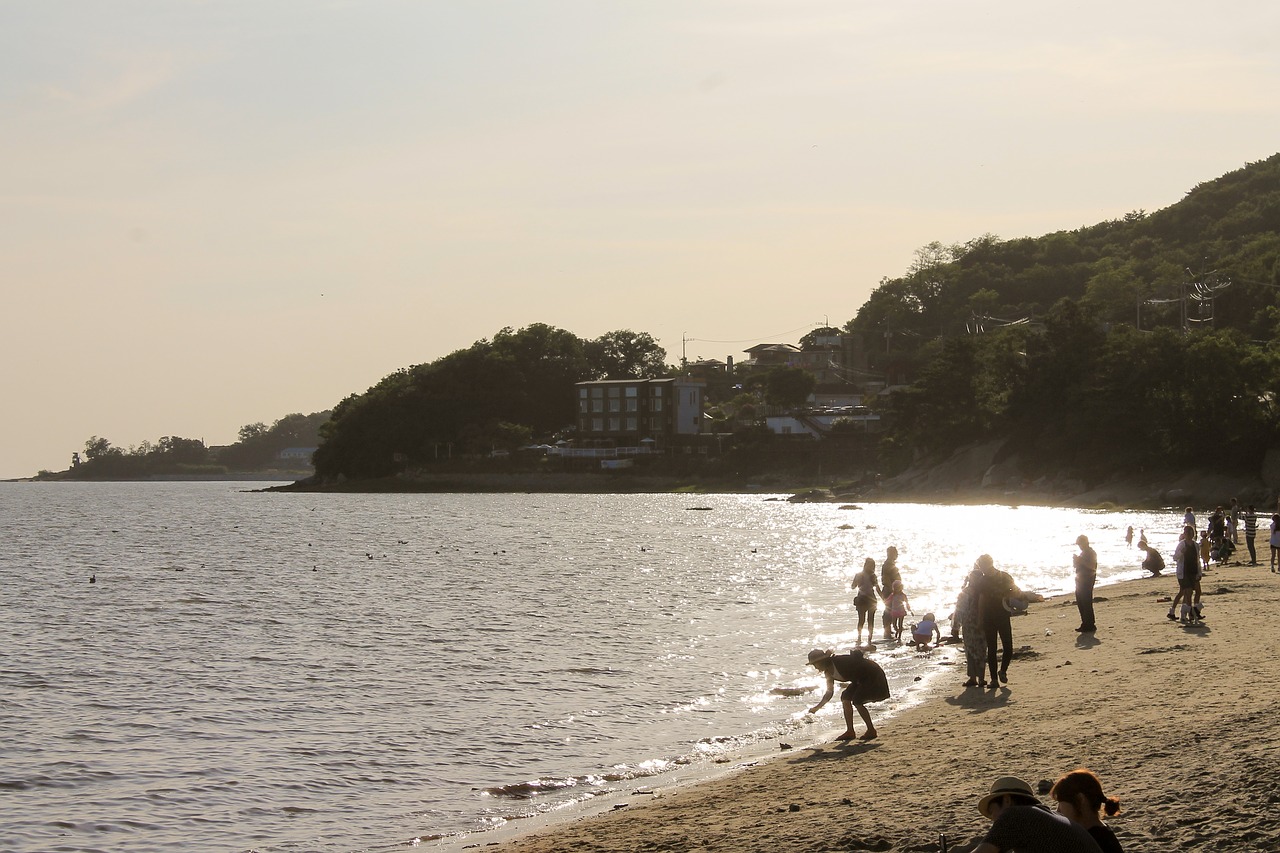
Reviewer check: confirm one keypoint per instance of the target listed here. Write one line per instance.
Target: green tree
(624, 354)
(97, 447)
(788, 387)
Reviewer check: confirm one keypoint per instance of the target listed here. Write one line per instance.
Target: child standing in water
(868, 592)
(897, 606)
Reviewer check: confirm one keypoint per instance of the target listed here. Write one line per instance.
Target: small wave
(529, 790)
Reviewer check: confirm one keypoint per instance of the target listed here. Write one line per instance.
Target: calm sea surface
(290, 672)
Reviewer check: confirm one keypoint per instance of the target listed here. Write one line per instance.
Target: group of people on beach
(982, 622)
(1196, 551)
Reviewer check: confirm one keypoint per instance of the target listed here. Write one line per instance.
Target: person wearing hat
(1086, 563)
(1020, 822)
(867, 683)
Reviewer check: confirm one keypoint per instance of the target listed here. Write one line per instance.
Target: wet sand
(1176, 720)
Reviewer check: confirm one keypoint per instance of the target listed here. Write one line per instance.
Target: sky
(216, 212)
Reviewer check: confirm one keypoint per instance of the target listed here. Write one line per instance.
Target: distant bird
(784, 746)
(93, 578)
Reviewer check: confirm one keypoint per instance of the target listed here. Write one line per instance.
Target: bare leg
(849, 733)
(866, 718)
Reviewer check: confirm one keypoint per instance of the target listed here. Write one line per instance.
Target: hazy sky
(216, 213)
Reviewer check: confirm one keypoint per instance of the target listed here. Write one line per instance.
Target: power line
(758, 338)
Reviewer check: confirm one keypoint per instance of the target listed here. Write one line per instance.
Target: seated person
(1020, 822)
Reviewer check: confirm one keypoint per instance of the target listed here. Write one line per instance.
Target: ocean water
(289, 672)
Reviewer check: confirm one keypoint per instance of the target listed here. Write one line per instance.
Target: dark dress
(1106, 839)
(867, 681)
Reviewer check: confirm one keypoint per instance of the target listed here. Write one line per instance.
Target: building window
(582, 392)
(632, 390)
(657, 404)
(597, 391)
(582, 407)
(597, 405)
(631, 424)
(614, 391)
(615, 405)
(597, 424)
(613, 424)
(632, 405)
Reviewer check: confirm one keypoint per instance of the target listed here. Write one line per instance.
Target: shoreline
(1176, 721)
(906, 697)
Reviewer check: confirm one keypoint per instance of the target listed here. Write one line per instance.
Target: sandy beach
(1176, 720)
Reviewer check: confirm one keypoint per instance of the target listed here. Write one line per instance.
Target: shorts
(861, 693)
(864, 602)
(1188, 583)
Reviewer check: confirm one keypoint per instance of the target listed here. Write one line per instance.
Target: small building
(296, 454)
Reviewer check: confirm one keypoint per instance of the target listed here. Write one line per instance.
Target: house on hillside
(296, 454)
(818, 423)
(634, 412)
(765, 356)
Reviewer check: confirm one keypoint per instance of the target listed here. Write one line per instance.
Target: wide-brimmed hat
(1004, 786)
(817, 656)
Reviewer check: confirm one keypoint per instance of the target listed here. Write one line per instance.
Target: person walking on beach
(968, 620)
(1128, 536)
(1021, 823)
(1080, 799)
(1251, 533)
(1234, 519)
(997, 586)
(867, 683)
(865, 594)
(1275, 540)
(888, 575)
(1186, 557)
(1086, 564)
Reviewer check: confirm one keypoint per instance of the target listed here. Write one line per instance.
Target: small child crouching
(926, 631)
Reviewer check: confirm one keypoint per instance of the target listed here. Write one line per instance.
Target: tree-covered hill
(498, 393)
(1144, 343)
(1208, 261)
(258, 449)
